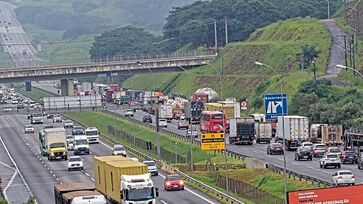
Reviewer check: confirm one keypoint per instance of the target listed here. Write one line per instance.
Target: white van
(92, 134)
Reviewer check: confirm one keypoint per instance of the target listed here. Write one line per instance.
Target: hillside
(276, 45)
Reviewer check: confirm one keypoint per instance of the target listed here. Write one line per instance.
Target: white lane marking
(163, 202)
(280, 159)
(326, 172)
(16, 167)
(295, 163)
(105, 145)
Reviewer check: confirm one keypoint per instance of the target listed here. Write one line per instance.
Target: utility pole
(328, 9)
(215, 35)
(345, 51)
(226, 29)
(157, 132)
(353, 51)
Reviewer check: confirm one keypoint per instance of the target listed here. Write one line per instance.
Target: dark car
(150, 110)
(349, 157)
(275, 148)
(147, 119)
(78, 130)
(173, 182)
(303, 153)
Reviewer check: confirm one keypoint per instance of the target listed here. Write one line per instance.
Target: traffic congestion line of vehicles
(117, 178)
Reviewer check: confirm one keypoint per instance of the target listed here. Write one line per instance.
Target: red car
(173, 182)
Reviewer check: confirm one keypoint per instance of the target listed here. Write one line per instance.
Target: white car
(307, 144)
(330, 159)
(153, 170)
(57, 119)
(343, 177)
(29, 129)
(129, 113)
(163, 123)
(75, 162)
(70, 144)
(68, 123)
(14, 102)
(119, 149)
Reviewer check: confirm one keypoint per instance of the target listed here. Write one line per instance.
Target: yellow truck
(123, 181)
(53, 143)
(231, 110)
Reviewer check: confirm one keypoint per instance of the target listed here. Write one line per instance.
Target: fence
(247, 191)
(165, 155)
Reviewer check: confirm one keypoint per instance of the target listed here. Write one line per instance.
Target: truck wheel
(321, 166)
(69, 169)
(339, 166)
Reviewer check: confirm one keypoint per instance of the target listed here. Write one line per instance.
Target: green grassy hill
(276, 45)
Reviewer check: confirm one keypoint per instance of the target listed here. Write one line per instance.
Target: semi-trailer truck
(295, 130)
(263, 132)
(77, 193)
(242, 130)
(326, 134)
(124, 181)
(53, 143)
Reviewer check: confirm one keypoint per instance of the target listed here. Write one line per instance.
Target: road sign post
(212, 141)
(274, 106)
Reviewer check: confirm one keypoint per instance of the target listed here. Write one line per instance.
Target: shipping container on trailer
(295, 129)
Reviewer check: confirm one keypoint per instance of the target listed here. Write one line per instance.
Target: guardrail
(229, 153)
(220, 195)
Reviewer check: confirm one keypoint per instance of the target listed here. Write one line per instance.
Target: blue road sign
(274, 106)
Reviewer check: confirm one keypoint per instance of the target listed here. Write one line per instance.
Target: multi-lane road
(15, 41)
(258, 151)
(41, 175)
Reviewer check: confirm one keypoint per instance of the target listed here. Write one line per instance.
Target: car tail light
(181, 182)
(168, 183)
(353, 176)
(340, 177)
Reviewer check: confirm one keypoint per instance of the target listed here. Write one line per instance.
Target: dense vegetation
(194, 24)
(126, 41)
(73, 24)
(324, 103)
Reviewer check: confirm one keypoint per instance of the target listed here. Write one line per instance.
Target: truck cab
(92, 134)
(80, 145)
(53, 143)
(36, 118)
(138, 188)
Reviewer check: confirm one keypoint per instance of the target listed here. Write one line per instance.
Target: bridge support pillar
(28, 86)
(67, 87)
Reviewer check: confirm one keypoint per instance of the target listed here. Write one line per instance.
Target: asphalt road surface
(41, 174)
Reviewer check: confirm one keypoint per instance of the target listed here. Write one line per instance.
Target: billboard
(275, 106)
(67, 102)
(340, 195)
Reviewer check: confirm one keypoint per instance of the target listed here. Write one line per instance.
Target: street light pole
(346, 67)
(282, 121)
(328, 9)
(191, 126)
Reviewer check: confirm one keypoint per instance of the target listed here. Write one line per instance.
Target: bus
(212, 121)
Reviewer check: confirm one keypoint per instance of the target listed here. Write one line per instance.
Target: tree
(126, 41)
(309, 54)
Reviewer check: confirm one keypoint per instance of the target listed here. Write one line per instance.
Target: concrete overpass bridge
(66, 73)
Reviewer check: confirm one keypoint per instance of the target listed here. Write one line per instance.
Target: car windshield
(69, 137)
(37, 115)
(349, 153)
(345, 173)
(75, 159)
(82, 142)
(56, 115)
(308, 145)
(119, 149)
(140, 194)
(335, 150)
(173, 177)
(277, 145)
(57, 145)
(331, 156)
(92, 132)
(320, 146)
(67, 121)
(129, 110)
(28, 126)
(162, 120)
(149, 163)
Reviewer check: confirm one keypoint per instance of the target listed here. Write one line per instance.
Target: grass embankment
(35, 93)
(276, 45)
(103, 120)
(55, 50)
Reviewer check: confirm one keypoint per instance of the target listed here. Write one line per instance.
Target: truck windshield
(81, 142)
(57, 145)
(37, 115)
(93, 132)
(140, 194)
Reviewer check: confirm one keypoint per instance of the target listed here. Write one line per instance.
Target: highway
(258, 151)
(41, 174)
(15, 40)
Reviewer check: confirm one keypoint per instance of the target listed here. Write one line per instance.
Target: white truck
(77, 193)
(80, 145)
(53, 143)
(263, 132)
(166, 112)
(92, 134)
(295, 130)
